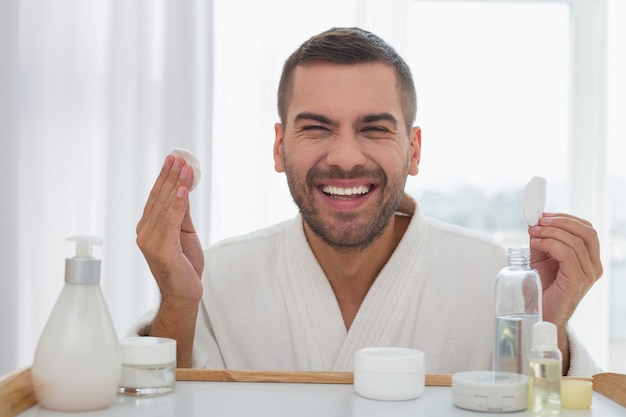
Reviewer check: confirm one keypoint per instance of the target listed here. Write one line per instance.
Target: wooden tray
(17, 395)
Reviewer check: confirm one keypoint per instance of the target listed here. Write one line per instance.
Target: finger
(172, 215)
(187, 223)
(569, 216)
(572, 243)
(186, 180)
(157, 189)
(564, 279)
(160, 240)
(582, 229)
(164, 189)
(170, 206)
(574, 264)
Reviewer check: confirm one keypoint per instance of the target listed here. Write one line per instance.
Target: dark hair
(349, 46)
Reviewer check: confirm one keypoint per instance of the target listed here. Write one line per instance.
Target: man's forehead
(311, 79)
(304, 70)
(372, 84)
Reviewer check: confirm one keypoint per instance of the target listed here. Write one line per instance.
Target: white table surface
(232, 399)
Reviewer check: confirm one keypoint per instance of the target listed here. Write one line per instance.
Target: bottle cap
(83, 268)
(544, 336)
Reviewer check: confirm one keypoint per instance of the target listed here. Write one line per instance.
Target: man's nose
(345, 151)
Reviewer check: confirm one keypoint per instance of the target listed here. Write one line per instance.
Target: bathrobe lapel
(315, 319)
(319, 333)
(387, 316)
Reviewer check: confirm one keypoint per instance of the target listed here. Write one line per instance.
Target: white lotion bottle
(77, 364)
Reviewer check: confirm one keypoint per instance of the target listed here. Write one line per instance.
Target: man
(359, 266)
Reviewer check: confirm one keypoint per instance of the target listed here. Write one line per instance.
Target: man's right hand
(168, 241)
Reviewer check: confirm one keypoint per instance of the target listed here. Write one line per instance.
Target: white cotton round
(192, 161)
(534, 200)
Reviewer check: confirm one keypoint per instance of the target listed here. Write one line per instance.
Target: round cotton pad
(192, 161)
(534, 200)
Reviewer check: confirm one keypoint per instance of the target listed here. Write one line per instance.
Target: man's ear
(416, 149)
(279, 166)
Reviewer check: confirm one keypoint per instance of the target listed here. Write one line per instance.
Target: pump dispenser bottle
(77, 364)
(544, 371)
(518, 308)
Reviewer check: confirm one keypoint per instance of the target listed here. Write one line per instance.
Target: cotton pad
(192, 161)
(534, 200)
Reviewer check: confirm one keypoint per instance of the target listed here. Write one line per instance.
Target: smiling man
(346, 149)
(360, 265)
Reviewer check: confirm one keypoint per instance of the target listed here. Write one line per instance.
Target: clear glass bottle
(544, 371)
(77, 364)
(518, 308)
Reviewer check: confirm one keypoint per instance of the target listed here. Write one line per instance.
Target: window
(493, 91)
(245, 104)
(505, 92)
(616, 149)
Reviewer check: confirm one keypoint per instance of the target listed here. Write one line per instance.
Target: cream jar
(576, 393)
(389, 373)
(148, 366)
(490, 391)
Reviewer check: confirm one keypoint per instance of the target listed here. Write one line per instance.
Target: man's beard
(347, 235)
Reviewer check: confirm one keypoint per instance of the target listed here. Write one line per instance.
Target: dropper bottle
(544, 371)
(77, 364)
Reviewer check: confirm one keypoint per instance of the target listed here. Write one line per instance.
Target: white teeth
(359, 190)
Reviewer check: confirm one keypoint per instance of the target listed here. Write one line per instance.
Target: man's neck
(352, 273)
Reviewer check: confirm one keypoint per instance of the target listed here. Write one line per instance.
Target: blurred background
(94, 94)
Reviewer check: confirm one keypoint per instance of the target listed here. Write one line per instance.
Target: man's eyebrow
(368, 118)
(313, 117)
(377, 117)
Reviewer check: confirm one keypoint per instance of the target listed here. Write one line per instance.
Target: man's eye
(376, 129)
(313, 127)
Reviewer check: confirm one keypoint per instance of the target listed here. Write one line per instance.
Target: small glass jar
(148, 366)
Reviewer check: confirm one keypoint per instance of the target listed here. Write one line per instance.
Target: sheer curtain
(94, 95)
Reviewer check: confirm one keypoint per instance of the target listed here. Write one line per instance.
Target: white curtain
(93, 96)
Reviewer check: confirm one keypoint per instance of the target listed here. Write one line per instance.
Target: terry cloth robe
(268, 305)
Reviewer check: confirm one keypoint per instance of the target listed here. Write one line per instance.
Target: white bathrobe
(268, 305)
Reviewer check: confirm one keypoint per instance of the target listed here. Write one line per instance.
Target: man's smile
(346, 192)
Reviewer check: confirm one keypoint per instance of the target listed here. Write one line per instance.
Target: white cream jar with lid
(389, 373)
(148, 366)
(490, 391)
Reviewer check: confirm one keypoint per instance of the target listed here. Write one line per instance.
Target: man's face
(346, 150)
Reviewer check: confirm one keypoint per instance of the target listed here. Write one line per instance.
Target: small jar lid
(486, 382)
(148, 350)
(389, 360)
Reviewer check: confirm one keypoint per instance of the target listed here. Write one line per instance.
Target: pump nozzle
(84, 245)
(83, 268)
